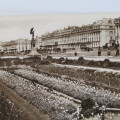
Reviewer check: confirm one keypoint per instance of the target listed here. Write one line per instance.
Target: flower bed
(108, 78)
(55, 106)
(76, 89)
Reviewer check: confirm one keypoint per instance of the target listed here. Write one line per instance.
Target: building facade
(10, 46)
(94, 35)
(117, 28)
(20, 45)
(23, 45)
(16, 46)
(38, 42)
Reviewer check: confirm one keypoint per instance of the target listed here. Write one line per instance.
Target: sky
(15, 7)
(18, 16)
(15, 27)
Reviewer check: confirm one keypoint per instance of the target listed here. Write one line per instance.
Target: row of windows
(79, 36)
(95, 44)
(82, 40)
(24, 47)
(79, 30)
(63, 40)
(82, 35)
(87, 28)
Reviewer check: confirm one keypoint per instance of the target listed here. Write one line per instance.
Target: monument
(33, 44)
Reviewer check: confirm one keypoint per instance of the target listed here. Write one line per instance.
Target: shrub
(91, 62)
(106, 63)
(61, 60)
(87, 104)
(44, 62)
(80, 60)
(70, 108)
(49, 58)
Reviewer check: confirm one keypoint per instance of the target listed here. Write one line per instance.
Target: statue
(32, 32)
(33, 51)
(33, 40)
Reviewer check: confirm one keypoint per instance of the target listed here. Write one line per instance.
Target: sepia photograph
(60, 66)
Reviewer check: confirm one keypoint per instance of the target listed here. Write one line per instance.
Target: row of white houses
(20, 45)
(94, 35)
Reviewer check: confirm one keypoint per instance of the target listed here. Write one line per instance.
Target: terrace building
(117, 28)
(99, 33)
(23, 45)
(10, 47)
(16, 46)
(19, 46)
(38, 42)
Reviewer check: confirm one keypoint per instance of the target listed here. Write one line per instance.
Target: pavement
(91, 55)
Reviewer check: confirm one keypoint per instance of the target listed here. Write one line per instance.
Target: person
(109, 52)
(88, 49)
(99, 52)
(75, 53)
(117, 52)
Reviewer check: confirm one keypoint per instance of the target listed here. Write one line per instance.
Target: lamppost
(52, 46)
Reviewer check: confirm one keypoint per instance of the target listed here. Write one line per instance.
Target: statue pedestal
(34, 52)
(33, 44)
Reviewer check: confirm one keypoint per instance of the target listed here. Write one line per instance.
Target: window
(56, 43)
(109, 21)
(111, 37)
(111, 32)
(111, 27)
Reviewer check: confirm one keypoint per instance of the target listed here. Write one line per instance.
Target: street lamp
(52, 46)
